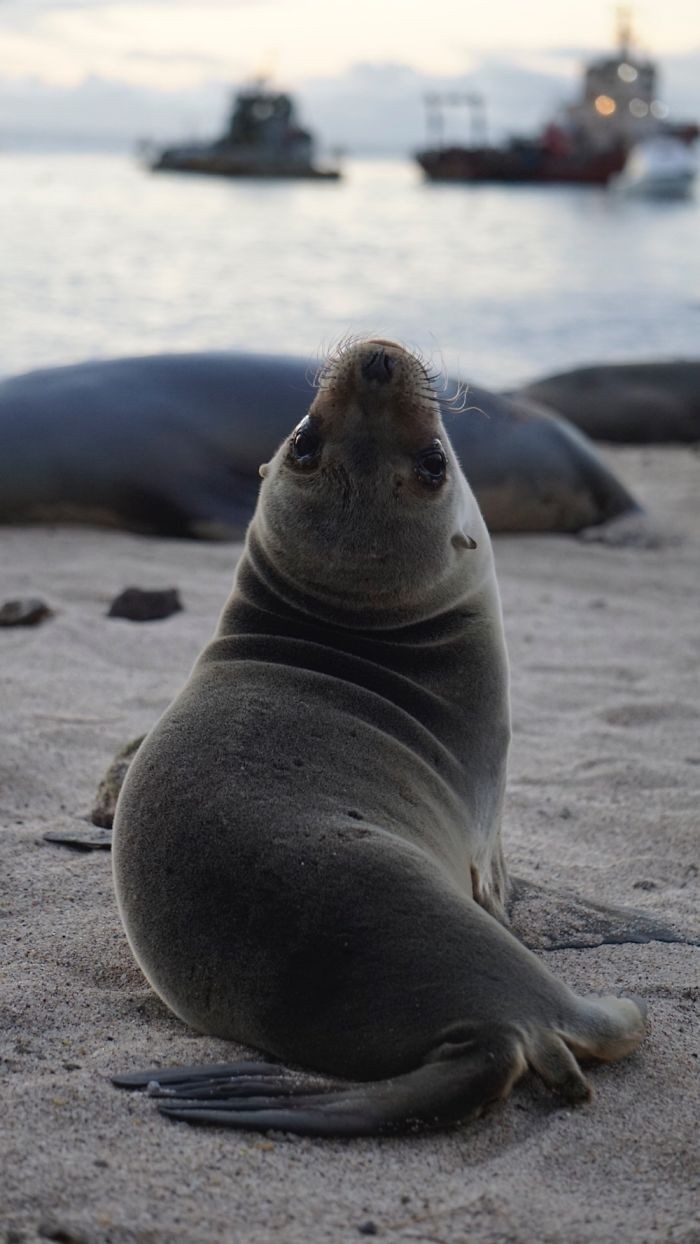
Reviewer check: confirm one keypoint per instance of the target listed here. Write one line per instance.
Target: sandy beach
(603, 802)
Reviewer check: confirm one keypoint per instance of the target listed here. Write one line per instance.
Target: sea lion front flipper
(108, 790)
(555, 920)
(97, 839)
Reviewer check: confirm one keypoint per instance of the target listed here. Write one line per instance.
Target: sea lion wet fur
(307, 846)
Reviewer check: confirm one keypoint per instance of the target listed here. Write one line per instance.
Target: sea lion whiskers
(336, 351)
(327, 371)
(455, 403)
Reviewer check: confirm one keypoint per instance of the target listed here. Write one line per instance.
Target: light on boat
(605, 105)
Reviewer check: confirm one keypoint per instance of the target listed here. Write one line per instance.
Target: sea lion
(170, 444)
(629, 403)
(307, 846)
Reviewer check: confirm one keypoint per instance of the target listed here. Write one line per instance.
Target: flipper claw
(194, 1073)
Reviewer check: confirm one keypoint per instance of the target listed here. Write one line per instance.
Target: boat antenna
(267, 69)
(625, 34)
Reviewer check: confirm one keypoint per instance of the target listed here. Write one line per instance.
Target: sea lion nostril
(379, 366)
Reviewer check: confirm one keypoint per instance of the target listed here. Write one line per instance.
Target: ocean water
(99, 257)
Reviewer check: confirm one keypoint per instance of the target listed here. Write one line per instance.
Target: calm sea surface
(99, 257)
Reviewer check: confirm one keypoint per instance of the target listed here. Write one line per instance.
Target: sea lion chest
(292, 734)
(298, 759)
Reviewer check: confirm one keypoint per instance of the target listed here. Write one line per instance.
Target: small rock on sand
(140, 605)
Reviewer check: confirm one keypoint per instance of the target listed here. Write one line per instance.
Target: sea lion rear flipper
(464, 1075)
(179, 1077)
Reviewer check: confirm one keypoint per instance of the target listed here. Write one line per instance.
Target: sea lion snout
(371, 370)
(376, 387)
(379, 366)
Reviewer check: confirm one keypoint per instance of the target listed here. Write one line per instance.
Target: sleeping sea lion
(628, 403)
(170, 445)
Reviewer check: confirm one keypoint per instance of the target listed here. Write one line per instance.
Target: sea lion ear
(263, 469)
(462, 541)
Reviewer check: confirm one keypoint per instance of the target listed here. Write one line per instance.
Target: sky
(124, 66)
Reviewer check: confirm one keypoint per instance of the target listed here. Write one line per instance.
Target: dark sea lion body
(628, 403)
(307, 846)
(170, 444)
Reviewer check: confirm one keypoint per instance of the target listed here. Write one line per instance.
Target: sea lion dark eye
(431, 465)
(305, 445)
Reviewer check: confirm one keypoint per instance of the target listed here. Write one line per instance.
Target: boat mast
(436, 101)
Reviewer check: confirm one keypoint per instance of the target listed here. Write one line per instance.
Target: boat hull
(517, 165)
(216, 166)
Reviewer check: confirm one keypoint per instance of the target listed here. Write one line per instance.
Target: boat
(587, 143)
(658, 168)
(263, 139)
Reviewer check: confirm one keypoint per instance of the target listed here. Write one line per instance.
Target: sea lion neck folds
(307, 847)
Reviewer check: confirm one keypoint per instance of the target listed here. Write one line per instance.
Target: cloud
(27, 9)
(370, 107)
(382, 106)
(102, 110)
(160, 43)
(181, 58)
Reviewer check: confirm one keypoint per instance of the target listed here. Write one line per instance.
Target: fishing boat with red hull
(588, 144)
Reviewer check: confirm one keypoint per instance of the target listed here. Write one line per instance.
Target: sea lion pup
(307, 847)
